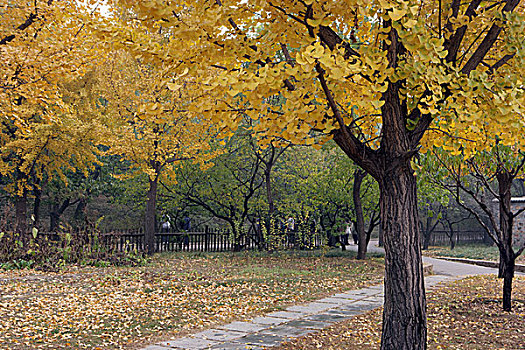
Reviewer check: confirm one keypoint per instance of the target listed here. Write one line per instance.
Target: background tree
(153, 128)
(229, 189)
(44, 46)
(486, 179)
(370, 210)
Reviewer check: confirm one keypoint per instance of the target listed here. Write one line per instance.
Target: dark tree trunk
(21, 214)
(55, 214)
(269, 193)
(404, 316)
(427, 235)
(507, 265)
(37, 191)
(359, 175)
(54, 218)
(80, 212)
(507, 256)
(451, 236)
(151, 209)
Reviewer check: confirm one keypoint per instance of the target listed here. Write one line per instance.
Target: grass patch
(465, 314)
(479, 252)
(123, 307)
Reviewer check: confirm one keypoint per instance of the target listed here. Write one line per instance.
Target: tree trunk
(404, 315)
(359, 175)
(427, 234)
(451, 237)
(507, 273)
(56, 213)
(37, 191)
(507, 257)
(54, 218)
(269, 193)
(21, 214)
(79, 217)
(151, 209)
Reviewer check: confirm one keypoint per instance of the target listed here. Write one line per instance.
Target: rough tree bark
(56, 212)
(451, 236)
(151, 209)
(21, 213)
(404, 316)
(507, 259)
(427, 233)
(269, 194)
(37, 191)
(359, 175)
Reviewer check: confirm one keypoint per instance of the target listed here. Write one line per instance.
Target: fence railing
(441, 238)
(207, 240)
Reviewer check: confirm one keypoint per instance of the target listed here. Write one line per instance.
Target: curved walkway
(277, 327)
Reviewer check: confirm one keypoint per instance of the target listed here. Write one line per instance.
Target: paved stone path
(277, 327)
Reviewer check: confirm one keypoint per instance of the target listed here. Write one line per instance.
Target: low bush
(51, 252)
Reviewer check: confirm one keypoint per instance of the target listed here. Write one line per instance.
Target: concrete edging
(485, 263)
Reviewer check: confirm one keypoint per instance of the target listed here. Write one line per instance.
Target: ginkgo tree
(44, 49)
(374, 75)
(152, 127)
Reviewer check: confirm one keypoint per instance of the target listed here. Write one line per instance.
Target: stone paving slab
(263, 339)
(347, 312)
(361, 307)
(269, 320)
(329, 318)
(287, 331)
(373, 299)
(331, 300)
(156, 347)
(189, 344)
(349, 295)
(219, 334)
(286, 314)
(247, 327)
(235, 346)
(309, 324)
(312, 308)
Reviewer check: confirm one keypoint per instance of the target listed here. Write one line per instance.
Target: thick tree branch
(29, 21)
(501, 62)
(452, 45)
(363, 155)
(488, 41)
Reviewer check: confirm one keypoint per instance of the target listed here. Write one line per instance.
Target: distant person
(166, 225)
(258, 231)
(353, 231)
(290, 227)
(186, 227)
(346, 234)
(290, 224)
(186, 223)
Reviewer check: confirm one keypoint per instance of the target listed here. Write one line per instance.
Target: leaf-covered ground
(112, 308)
(463, 315)
(481, 252)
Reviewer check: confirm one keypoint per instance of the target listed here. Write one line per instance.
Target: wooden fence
(207, 240)
(440, 238)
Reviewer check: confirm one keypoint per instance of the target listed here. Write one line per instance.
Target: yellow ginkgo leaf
(173, 86)
(396, 14)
